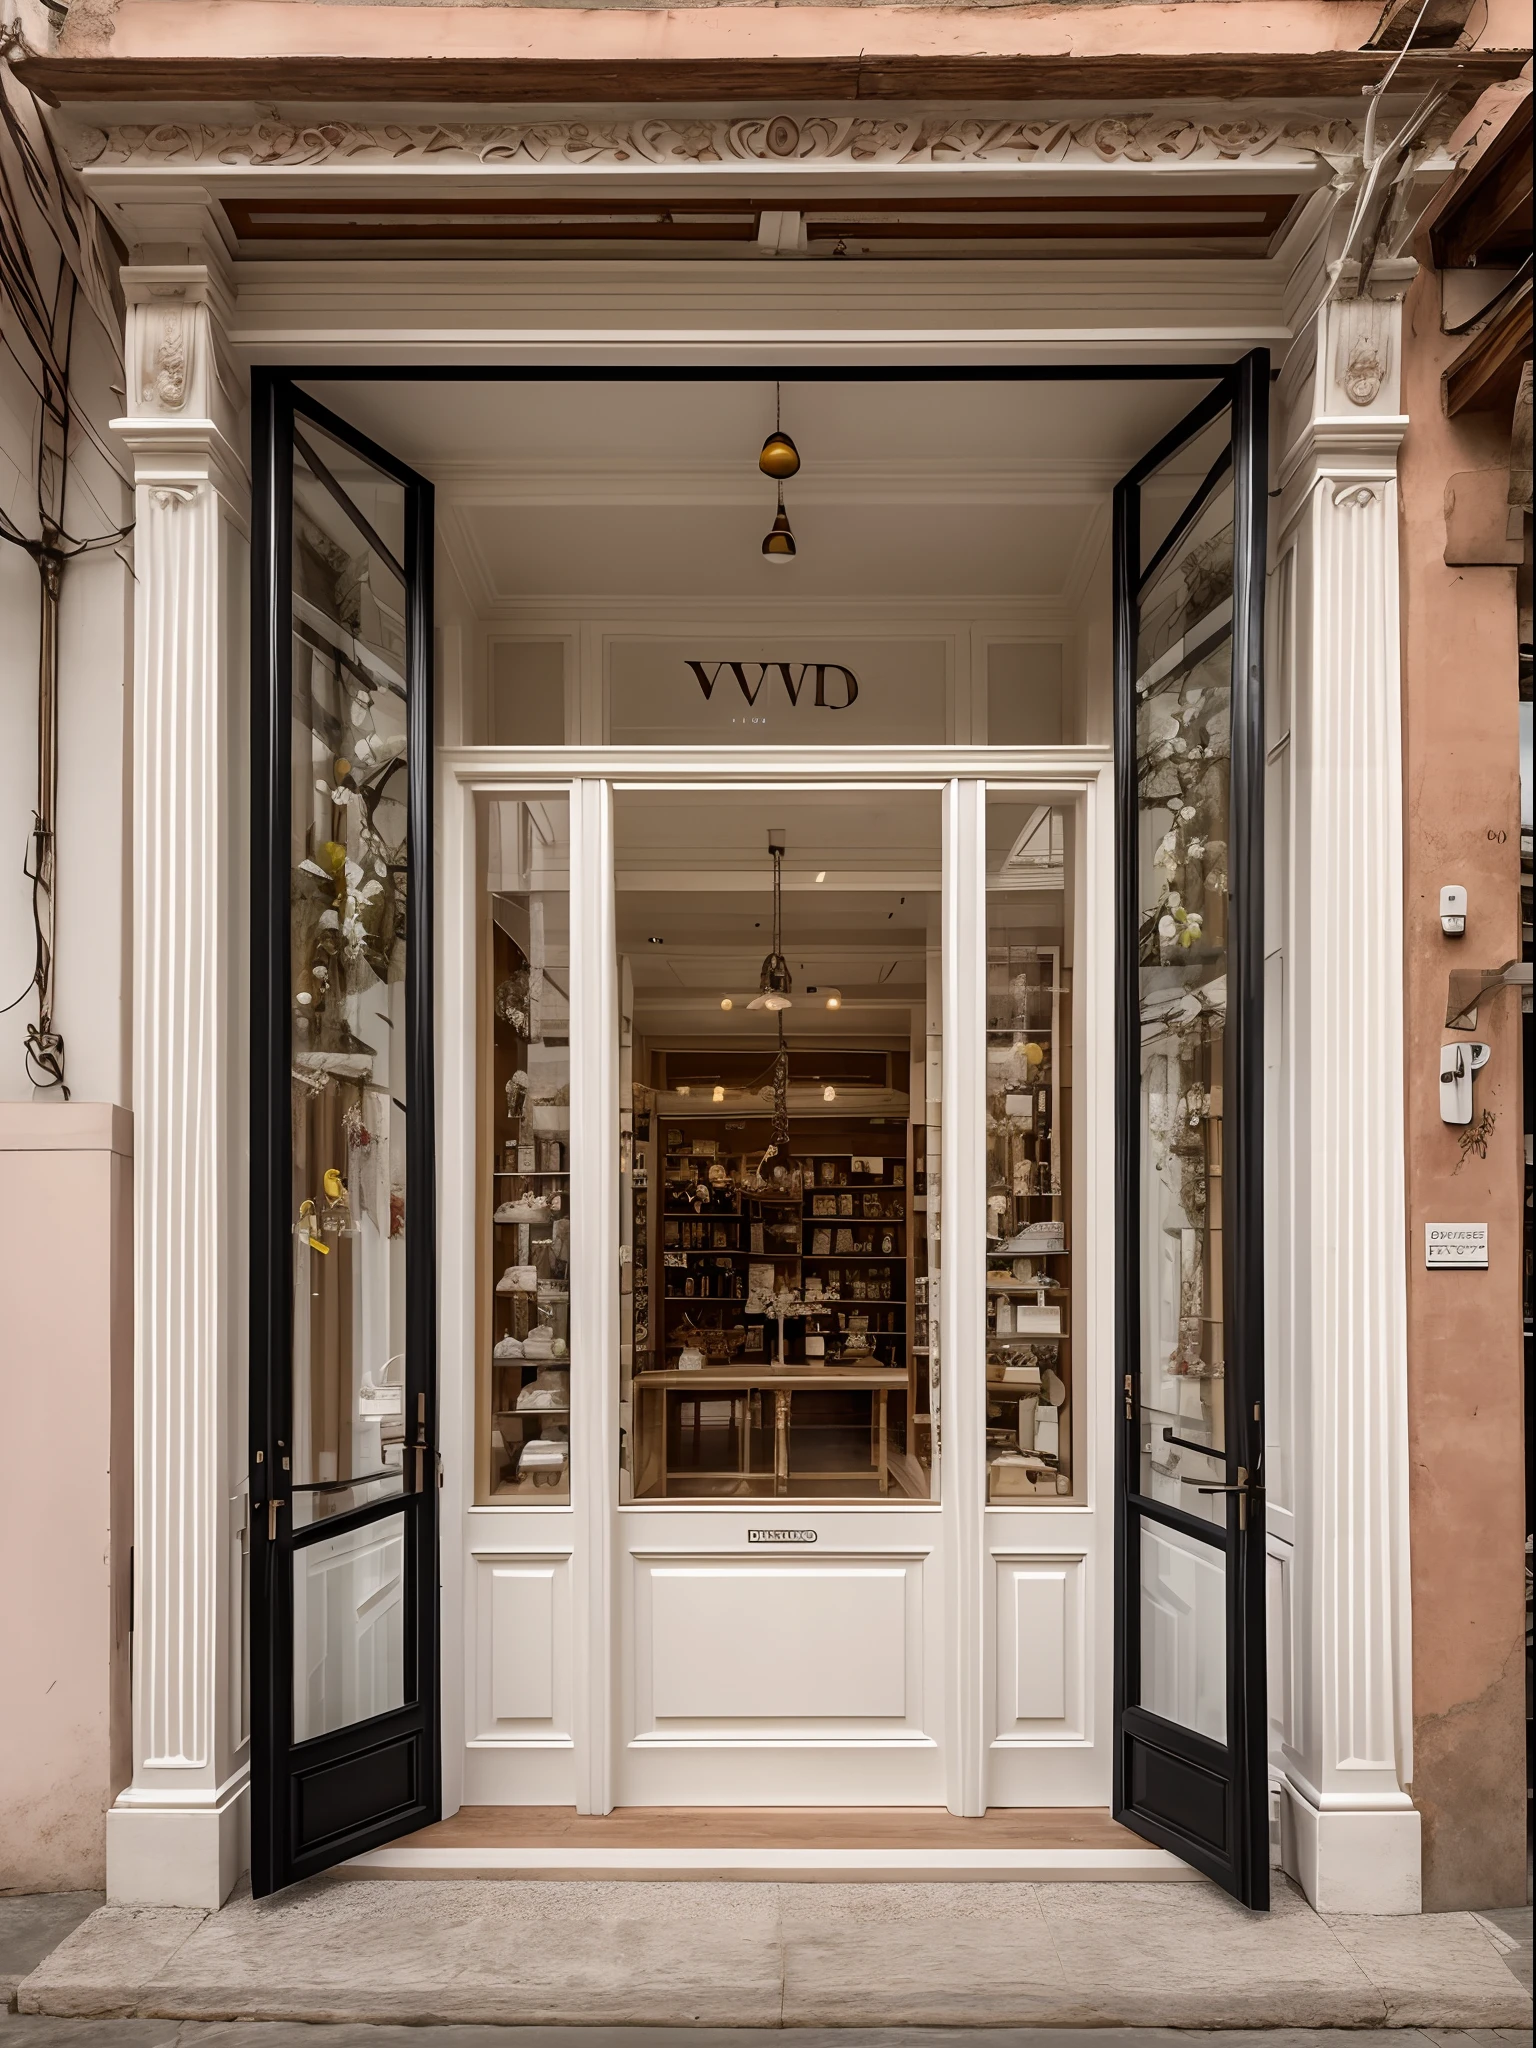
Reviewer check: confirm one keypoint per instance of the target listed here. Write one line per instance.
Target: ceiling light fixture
(833, 997)
(719, 1095)
(780, 459)
(829, 1093)
(775, 981)
(822, 876)
(726, 1003)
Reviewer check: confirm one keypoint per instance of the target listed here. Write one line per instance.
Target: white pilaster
(1349, 1830)
(962, 1289)
(595, 1302)
(177, 1835)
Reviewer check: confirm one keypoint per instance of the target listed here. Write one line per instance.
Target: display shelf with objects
(525, 1325)
(781, 1360)
(1028, 1271)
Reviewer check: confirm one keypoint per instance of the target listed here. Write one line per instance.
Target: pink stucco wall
(66, 1491)
(1465, 1358)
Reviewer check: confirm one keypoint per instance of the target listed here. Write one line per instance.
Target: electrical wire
(42, 319)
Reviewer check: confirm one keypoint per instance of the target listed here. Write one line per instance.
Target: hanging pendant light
(780, 459)
(779, 542)
(775, 982)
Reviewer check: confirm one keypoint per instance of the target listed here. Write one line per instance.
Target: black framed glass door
(344, 1486)
(1191, 1733)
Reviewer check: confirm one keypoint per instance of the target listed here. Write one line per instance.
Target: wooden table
(741, 1381)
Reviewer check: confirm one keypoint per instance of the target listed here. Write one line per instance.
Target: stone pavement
(597, 1955)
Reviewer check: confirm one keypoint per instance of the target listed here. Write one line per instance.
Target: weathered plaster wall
(1462, 816)
(66, 1497)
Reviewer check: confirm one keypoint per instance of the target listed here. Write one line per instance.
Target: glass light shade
(779, 543)
(780, 457)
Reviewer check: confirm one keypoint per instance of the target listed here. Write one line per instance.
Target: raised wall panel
(1041, 1647)
(803, 1648)
(522, 1650)
(522, 1642)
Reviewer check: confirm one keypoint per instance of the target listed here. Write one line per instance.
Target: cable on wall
(39, 297)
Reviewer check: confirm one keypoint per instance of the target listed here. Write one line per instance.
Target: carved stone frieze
(666, 142)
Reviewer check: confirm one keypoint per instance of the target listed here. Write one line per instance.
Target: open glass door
(344, 1621)
(1190, 1758)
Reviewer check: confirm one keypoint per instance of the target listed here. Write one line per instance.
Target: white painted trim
(892, 1866)
(595, 1293)
(962, 1314)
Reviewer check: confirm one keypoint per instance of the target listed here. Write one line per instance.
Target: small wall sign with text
(781, 1535)
(1456, 1244)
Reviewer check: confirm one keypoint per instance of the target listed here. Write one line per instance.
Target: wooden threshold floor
(776, 1827)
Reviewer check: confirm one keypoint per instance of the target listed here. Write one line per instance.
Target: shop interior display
(528, 1384)
(1028, 1283)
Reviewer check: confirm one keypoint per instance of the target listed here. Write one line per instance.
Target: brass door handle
(272, 1508)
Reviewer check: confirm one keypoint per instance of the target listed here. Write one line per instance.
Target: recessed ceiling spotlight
(684, 1088)
(829, 1093)
(833, 998)
(719, 1095)
(822, 876)
(726, 1003)
(655, 942)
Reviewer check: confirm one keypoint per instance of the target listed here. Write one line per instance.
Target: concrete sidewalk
(770, 1955)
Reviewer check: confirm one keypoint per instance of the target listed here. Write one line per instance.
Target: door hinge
(1130, 1399)
(272, 1507)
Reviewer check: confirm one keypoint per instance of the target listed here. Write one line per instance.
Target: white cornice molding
(864, 618)
(868, 480)
(702, 144)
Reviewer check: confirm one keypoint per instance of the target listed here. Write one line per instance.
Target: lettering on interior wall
(750, 678)
(781, 1535)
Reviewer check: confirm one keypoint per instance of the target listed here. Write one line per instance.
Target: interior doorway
(838, 1526)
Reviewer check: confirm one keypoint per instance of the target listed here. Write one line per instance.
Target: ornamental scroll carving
(163, 352)
(660, 141)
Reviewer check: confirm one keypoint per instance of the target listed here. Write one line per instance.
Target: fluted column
(176, 1835)
(1350, 1833)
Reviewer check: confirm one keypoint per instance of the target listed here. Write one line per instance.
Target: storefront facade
(980, 1574)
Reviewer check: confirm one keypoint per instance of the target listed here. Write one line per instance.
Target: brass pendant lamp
(779, 459)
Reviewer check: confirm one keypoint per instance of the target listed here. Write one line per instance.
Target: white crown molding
(600, 480)
(885, 618)
(701, 144)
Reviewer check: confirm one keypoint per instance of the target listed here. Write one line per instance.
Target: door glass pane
(1183, 772)
(524, 1322)
(347, 959)
(1029, 1152)
(348, 1627)
(778, 1159)
(1184, 1630)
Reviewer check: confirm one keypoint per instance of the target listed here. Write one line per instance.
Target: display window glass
(524, 1325)
(780, 1042)
(348, 943)
(1183, 790)
(1029, 1321)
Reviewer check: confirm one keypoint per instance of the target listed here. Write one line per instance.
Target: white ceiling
(973, 488)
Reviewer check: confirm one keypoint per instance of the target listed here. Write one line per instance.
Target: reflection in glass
(779, 1165)
(347, 959)
(348, 1627)
(1029, 1093)
(1183, 775)
(1183, 1625)
(525, 1374)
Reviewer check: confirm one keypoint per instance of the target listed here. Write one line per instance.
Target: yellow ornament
(1033, 1053)
(333, 1184)
(334, 855)
(343, 768)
